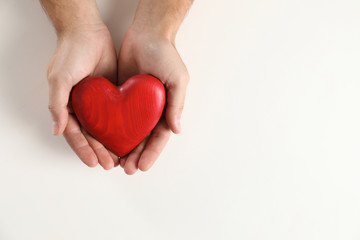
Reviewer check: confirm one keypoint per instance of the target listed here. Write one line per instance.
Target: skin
(85, 48)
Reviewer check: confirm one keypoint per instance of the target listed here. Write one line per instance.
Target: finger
(101, 152)
(78, 143)
(123, 161)
(175, 103)
(58, 99)
(115, 158)
(131, 165)
(157, 141)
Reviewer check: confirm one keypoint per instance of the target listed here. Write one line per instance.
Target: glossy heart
(119, 117)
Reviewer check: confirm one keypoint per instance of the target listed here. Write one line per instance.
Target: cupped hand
(83, 51)
(144, 52)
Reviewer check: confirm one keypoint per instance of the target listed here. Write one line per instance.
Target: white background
(270, 142)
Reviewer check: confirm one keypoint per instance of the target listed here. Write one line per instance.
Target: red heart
(119, 117)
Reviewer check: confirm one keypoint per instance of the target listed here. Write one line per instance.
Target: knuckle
(49, 69)
(53, 109)
(156, 135)
(50, 76)
(58, 78)
(56, 108)
(51, 73)
(53, 78)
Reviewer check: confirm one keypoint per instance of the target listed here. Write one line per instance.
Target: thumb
(175, 103)
(58, 100)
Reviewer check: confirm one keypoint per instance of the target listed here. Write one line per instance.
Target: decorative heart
(119, 117)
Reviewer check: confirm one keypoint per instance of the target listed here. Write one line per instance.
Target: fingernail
(55, 128)
(178, 125)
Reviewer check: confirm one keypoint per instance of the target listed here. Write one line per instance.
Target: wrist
(141, 36)
(161, 18)
(81, 22)
(82, 28)
(141, 27)
(73, 15)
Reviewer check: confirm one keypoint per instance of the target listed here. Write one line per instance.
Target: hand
(82, 51)
(146, 52)
(85, 48)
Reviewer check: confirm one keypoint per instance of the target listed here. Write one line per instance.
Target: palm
(158, 57)
(80, 55)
